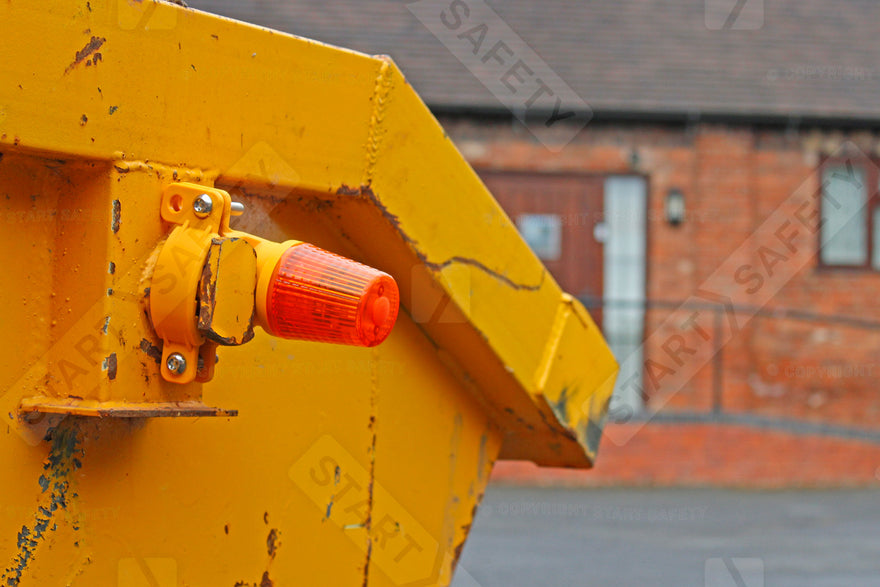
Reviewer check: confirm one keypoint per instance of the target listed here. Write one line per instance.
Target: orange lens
(316, 295)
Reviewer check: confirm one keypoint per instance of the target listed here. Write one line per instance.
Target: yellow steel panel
(203, 91)
(322, 145)
(465, 237)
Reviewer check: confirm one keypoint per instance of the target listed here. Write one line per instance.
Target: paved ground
(526, 537)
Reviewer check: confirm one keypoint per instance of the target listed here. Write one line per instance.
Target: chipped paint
(215, 321)
(265, 581)
(273, 543)
(337, 475)
(115, 219)
(56, 488)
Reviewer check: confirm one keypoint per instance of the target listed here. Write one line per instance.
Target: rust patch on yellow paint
(273, 542)
(91, 47)
(117, 215)
(111, 366)
(151, 350)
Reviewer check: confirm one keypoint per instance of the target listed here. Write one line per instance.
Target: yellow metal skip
(345, 466)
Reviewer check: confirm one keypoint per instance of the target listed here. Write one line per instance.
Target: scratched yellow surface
(343, 463)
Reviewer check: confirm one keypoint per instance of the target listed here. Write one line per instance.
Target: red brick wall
(714, 455)
(733, 178)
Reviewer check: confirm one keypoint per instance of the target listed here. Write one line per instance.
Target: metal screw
(237, 209)
(176, 363)
(203, 205)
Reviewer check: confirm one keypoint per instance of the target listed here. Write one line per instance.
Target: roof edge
(793, 120)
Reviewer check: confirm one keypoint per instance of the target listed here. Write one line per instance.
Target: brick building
(702, 128)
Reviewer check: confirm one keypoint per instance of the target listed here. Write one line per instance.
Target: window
(850, 210)
(543, 233)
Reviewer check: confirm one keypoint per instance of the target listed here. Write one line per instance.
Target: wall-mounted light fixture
(674, 207)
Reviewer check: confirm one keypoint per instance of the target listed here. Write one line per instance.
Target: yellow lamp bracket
(207, 286)
(202, 289)
(200, 283)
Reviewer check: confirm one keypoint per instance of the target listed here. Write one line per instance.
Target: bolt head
(203, 205)
(176, 363)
